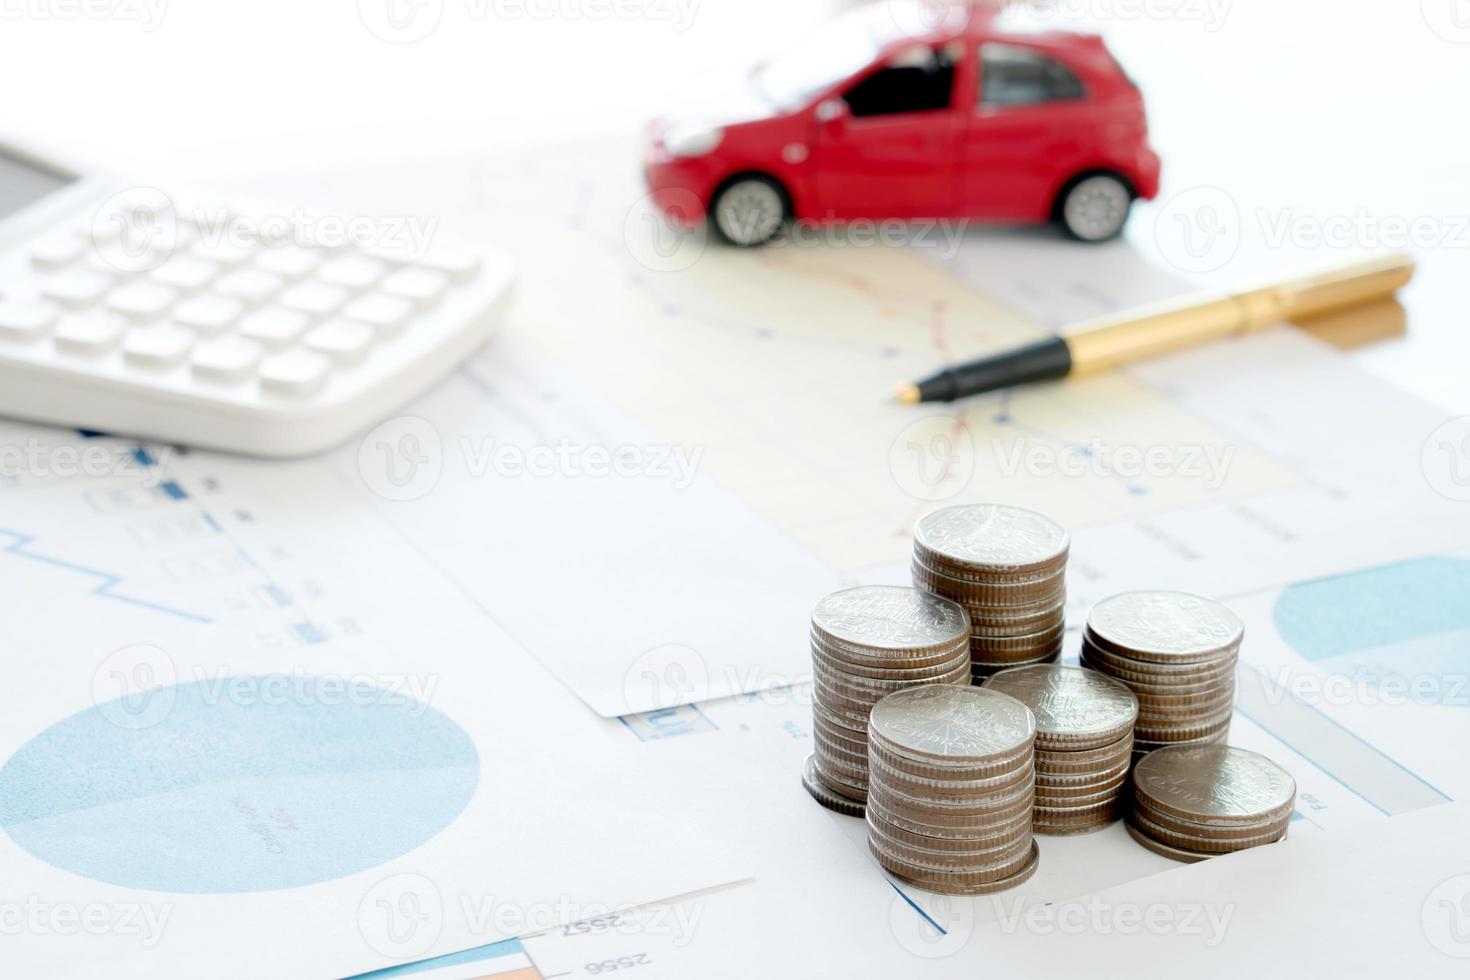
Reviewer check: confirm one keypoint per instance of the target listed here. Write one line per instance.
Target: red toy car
(870, 120)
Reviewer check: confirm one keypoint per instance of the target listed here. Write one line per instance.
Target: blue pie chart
(242, 785)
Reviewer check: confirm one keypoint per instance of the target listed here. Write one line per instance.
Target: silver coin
(951, 722)
(851, 788)
(1276, 823)
(1073, 828)
(1116, 771)
(1066, 765)
(1219, 783)
(1171, 851)
(980, 669)
(998, 863)
(892, 669)
(890, 617)
(984, 597)
(1164, 850)
(923, 789)
(1024, 757)
(1143, 746)
(861, 685)
(834, 754)
(1026, 644)
(1160, 672)
(1164, 626)
(954, 884)
(923, 799)
(1061, 816)
(1057, 800)
(887, 659)
(1074, 707)
(826, 796)
(1182, 731)
(856, 729)
(955, 832)
(1002, 626)
(993, 537)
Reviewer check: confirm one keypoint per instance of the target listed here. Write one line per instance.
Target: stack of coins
(1007, 567)
(950, 788)
(1177, 652)
(1192, 802)
(1084, 744)
(866, 643)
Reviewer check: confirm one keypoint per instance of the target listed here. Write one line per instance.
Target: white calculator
(243, 326)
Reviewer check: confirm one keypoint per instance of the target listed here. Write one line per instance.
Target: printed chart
(238, 784)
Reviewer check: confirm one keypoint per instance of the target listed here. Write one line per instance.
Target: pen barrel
(1344, 287)
(1107, 343)
(1110, 341)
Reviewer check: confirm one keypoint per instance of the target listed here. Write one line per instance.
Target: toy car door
(887, 146)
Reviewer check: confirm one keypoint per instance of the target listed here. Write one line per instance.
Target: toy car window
(1013, 75)
(918, 79)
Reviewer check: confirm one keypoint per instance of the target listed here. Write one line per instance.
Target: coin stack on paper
(950, 788)
(1008, 568)
(868, 642)
(1084, 743)
(1177, 652)
(1192, 802)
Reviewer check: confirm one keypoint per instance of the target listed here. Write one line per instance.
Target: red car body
(991, 158)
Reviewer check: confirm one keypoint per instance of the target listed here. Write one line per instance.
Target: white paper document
(247, 730)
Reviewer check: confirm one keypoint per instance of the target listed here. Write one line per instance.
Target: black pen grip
(1045, 360)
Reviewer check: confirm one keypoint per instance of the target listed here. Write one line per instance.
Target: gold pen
(1106, 342)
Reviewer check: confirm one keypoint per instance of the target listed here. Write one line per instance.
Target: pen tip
(908, 395)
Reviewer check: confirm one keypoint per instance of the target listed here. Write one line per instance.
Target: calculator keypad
(285, 318)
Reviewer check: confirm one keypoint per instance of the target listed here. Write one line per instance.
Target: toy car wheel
(749, 211)
(1095, 208)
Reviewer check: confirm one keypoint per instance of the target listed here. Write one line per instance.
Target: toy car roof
(938, 22)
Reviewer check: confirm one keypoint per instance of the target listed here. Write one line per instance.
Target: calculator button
(225, 358)
(22, 319)
(455, 264)
(291, 261)
(160, 346)
(351, 271)
(57, 251)
(385, 313)
(344, 341)
(186, 272)
(208, 218)
(419, 286)
(295, 372)
(273, 326)
(105, 265)
(224, 252)
(91, 333)
(208, 314)
(75, 287)
(249, 285)
(315, 298)
(129, 256)
(103, 229)
(141, 300)
(394, 255)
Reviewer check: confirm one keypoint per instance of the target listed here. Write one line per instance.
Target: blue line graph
(916, 907)
(108, 582)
